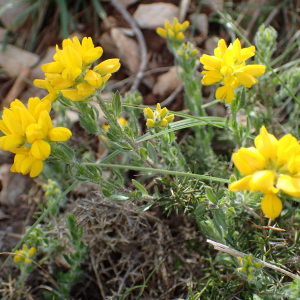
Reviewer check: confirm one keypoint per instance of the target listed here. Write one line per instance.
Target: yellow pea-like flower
(228, 66)
(157, 118)
(269, 167)
(27, 131)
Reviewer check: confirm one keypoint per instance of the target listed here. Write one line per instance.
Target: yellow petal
(179, 36)
(85, 90)
(253, 157)
(242, 184)
(53, 67)
(266, 144)
(289, 184)
(162, 32)
(32, 251)
(40, 83)
(169, 118)
(40, 149)
(150, 123)
(108, 66)
(246, 79)
(163, 112)
(25, 167)
(211, 61)
(36, 168)
(222, 46)
(271, 206)
(287, 145)
(242, 165)
(163, 122)
(60, 83)
(148, 112)
(168, 25)
(158, 108)
(185, 25)
(12, 141)
(34, 132)
(59, 134)
(263, 181)
(236, 49)
(72, 95)
(254, 70)
(246, 53)
(13, 125)
(93, 78)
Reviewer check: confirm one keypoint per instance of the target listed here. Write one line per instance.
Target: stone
(167, 83)
(128, 48)
(210, 45)
(15, 59)
(15, 10)
(184, 7)
(201, 22)
(151, 16)
(13, 186)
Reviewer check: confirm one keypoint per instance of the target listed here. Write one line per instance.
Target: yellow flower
(108, 66)
(272, 165)
(173, 32)
(25, 255)
(157, 118)
(228, 66)
(70, 72)
(27, 132)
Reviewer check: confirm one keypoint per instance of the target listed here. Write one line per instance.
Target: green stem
(191, 175)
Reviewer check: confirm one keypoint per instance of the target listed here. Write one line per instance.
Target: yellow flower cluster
(26, 254)
(228, 66)
(70, 72)
(173, 32)
(272, 165)
(157, 118)
(27, 132)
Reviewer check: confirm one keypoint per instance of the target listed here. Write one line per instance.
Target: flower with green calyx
(174, 32)
(70, 73)
(250, 267)
(25, 256)
(27, 133)
(157, 118)
(187, 56)
(272, 165)
(228, 66)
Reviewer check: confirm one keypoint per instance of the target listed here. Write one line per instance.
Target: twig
(128, 79)
(235, 253)
(97, 277)
(171, 98)
(141, 41)
(268, 227)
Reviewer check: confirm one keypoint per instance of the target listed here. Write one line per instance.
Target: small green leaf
(106, 193)
(118, 198)
(89, 125)
(146, 207)
(211, 196)
(143, 153)
(152, 153)
(117, 105)
(140, 187)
